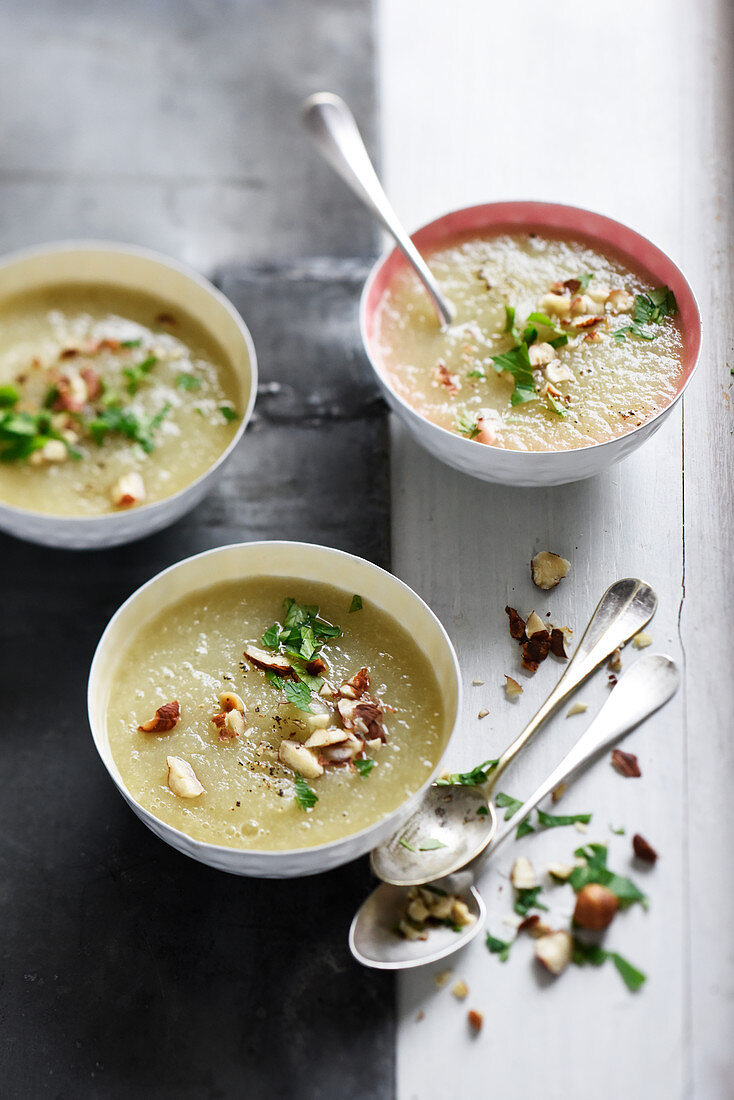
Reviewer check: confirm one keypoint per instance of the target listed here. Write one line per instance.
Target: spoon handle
(331, 125)
(642, 690)
(623, 610)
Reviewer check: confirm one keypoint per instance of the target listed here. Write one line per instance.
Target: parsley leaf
(499, 947)
(596, 870)
(467, 425)
(131, 343)
(506, 801)
(523, 829)
(9, 396)
(527, 899)
(592, 953)
(271, 636)
(228, 413)
(299, 694)
(364, 766)
(188, 382)
(551, 821)
(517, 363)
(510, 319)
(617, 832)
(116, 418)
(405, 844)
(559, 341)
(356, 604)
(556, 405)
(474, 778)
(477, 373)
(306, 797)
(430, 844)
(584, 280)
(635, 330)
(137, 373)
(653, 307)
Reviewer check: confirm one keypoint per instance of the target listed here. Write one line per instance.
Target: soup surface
(554, 345)
(257, 793)
(107, 401)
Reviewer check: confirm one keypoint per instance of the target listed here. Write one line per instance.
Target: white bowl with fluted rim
(288, 560)
(533, 468)
(174, 285)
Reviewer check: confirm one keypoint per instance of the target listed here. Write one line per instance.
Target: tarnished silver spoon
(331, 125)
(642, 690)
(449, 813)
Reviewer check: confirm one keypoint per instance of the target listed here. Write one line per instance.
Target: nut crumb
(614, 664)
(558, 792)
(442, 977)
(642, 640)
(643, 850)
(577, 708)
(477, 683)
(626, 764)
(460, 990)
(512, 687)
(475, 1020)
(580, 827)
(483, 714)
(548, 570)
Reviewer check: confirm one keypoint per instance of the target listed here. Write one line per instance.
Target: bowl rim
(538, 206)
(282, 854)
(143, 253)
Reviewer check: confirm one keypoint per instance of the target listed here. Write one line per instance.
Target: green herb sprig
(306, 797)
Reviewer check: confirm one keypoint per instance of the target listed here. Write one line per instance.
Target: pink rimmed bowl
(287, 560)
(533, 468)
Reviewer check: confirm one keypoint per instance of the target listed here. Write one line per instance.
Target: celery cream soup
(107, 401)
(273, 725)
(555, 344)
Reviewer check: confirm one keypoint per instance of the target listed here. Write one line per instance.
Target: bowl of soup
(126, 381)
(273, 709)
(573, 339)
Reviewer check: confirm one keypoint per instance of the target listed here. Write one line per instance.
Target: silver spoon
(331, 125)
(642, 690)
(449, 813)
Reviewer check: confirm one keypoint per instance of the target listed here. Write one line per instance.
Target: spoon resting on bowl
(449, 811)
(642, 690)
(333, 129)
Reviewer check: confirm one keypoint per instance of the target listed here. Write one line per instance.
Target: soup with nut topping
(555, 345)
(108, 401)
(274, 714)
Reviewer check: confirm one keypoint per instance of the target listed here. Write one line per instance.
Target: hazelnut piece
(547, 569)
(522, 875)
(554, 951)
(182, 778)
(596, 907)
(643, 850)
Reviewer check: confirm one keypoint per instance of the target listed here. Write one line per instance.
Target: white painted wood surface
(625, 109)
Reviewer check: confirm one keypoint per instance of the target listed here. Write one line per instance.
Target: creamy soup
(108, 401)
(555, 345)
(269, 725)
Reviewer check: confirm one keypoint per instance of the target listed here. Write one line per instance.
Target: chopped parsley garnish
(300, 638)
(364, 766)
(592, 953)
(474, 778)
(523, 829)
(517, 363)
(117, 418)
(467, 425)
(22, 433)
(552, 821)
(559, 341)
(584, 280)
(499, 947)
(9, 396)
(477, 373)
(649, 309)
(188, 382)
(136, 374)
(131, 343)
(430, 844)
(617, 832)
(508, 803)
(557, 406)
(510, 319)
(482, 811)
(228, 413)
(405, 844)
(299, 694)
(306, 797)
(527, 899)
(356, 604)
(595, 870)
(634, 330)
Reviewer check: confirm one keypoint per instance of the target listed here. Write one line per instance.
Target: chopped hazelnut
(512, 688)
(517, 625)
(558, 372)
(620, 301)
(182, 778)
(558, 792)
(643, 850)
(234, 725)
(558, 643)
(642, 640)
(165, 718)
(230, 700)
(596, 907)
(626, 763)
(482, 713)
(417, 911)
(547, 570)
(555, 951)
(561, 872)
(51, 453)
(460, 990)
(475, 1020)
(614, 663)
(577, 708)
(522, 875)
(558, 305)
(461, 914)
(442, 977)
(541, 355)
(323, 737)
(534, 926)
(269, 662)
(296, 756)
(128, 490)
(534, 624)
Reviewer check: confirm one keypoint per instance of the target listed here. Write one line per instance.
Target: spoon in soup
(642, 690)
(331, 125)
(447, 813)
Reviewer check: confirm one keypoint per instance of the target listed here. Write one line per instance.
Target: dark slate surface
(128, 970)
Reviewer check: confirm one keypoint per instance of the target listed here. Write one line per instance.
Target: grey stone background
(128, 970)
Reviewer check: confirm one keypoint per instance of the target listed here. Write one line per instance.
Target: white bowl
(174, 285)
(276, 559)
(531, 468)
